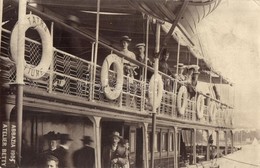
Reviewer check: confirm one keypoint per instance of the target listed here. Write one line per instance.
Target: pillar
(97, 135)
(175, 146)
(145, 145)
(232, 140)
(226, 145)
(217, 143)
(208, 146)
(194, 146)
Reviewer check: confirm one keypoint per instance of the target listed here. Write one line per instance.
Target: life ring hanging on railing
(182, 100)
(35, 22)
(200, 106)
(112, 93)
(212, 111)
(158, 84)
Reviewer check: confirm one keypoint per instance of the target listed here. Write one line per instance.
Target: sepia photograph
(130, 83)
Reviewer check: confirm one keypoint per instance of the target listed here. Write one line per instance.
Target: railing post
(232, 141)
(175, 147)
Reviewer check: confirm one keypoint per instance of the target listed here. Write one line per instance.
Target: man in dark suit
(62, 152)
(84, 157)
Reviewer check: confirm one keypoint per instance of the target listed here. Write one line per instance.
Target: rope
(241, 162)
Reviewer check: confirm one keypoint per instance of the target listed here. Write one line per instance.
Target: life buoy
(112, 93)
(200, 106)
(212, 111)
(157, 83)
(35, 22)
(182, 100)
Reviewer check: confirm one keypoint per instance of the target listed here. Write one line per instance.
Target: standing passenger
(113, 156)
(128, 66)
(62, 152)
(85, 157)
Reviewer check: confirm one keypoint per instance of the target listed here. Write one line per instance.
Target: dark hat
(125, 38)
(65, 137)
(140, 45)
(116, 134)
(86, 139)
(51, 135)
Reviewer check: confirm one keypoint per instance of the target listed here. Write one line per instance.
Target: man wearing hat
(112, 154)
(192, 79)
(180, 75)
(128, 66)
(62, 152)
(85, 157)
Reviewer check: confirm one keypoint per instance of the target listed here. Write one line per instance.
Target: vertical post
(175, 146)
(226, 139)
(97, 142)
(145, 145)
(52, 63)
(19, 75)
(146, 58)
(194, 146)
(232, 141)
(96, 47)
(208, 146)
(156, 64)
(217, 142)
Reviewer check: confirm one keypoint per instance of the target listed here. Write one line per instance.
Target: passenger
(129, 68)
(53, 143)
(141, 58)
(62, 152)
(113, 156)
(164, 67)
(52, 162)
(125, 144)
(191, 80)
(180, 75)
(79, 157)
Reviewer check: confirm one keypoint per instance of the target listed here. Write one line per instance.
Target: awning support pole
(156, 65)
(19, 75)
(96, 48)
(1, 19)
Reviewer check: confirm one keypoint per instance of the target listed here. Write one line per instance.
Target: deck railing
(71, 76)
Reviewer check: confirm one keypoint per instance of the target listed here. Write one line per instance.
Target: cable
(241, 162)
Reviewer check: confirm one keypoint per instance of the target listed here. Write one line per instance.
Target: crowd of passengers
(190, 78)
(59, 155)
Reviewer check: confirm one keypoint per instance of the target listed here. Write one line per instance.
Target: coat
(63, 155)
(108, 155)
(84, 157)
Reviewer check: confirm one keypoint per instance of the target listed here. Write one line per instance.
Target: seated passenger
(129, 68)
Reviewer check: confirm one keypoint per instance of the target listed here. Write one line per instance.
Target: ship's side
(74, 82)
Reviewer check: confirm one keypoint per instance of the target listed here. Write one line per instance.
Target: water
(248, 157)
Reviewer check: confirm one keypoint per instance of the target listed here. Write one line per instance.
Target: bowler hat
(51, 135)
(140, 45)
(125, 38)
(72, 18)
(86, 139)
(65, 137)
